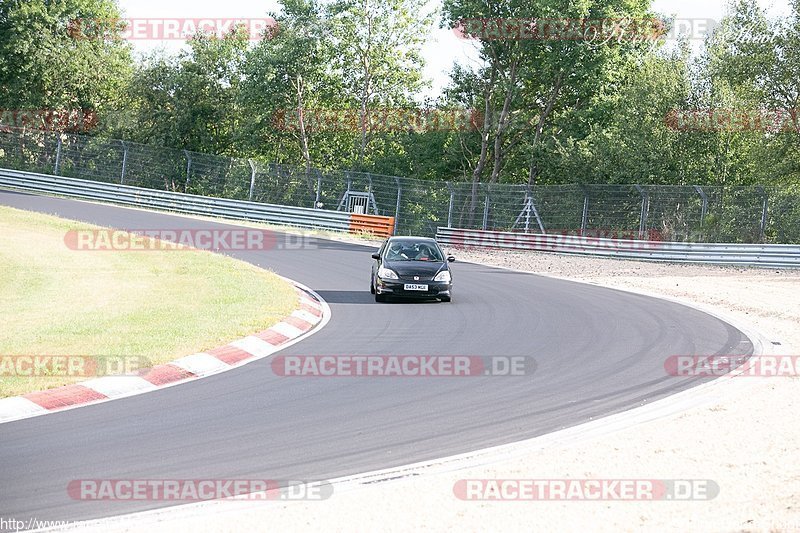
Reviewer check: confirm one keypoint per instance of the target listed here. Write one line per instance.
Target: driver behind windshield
(427, 254)
(396, 253)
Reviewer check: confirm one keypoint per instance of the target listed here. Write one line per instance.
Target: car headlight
(385, 273)
(444, 275)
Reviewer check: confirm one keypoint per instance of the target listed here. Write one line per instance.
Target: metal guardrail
(764, 255)
(175, 201)
(761, 255)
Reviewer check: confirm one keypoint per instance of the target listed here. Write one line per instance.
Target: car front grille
(422, 278)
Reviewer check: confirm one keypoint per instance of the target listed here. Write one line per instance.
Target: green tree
(377, 44)
(531, 90)
(48, 61)
(287, 75)
(191, 101)
(752, 64)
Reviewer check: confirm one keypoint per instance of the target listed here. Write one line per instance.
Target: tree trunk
(303, 136)
(366, 93)
(299, 85)
(533, 170)
(502, 123)
(487, 118)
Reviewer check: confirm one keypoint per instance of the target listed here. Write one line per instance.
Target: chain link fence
(669, 213)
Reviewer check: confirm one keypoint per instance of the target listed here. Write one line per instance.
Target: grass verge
(158, 305)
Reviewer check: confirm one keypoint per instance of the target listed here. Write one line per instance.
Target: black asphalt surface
(598, 351)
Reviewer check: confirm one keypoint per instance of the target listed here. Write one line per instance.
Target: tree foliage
(545, 111)
(46, 62)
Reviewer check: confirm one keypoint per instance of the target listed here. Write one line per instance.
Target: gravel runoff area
(746, 440)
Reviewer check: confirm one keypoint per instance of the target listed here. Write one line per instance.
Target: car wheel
(445, 298)
(371, 286)
(380, 297)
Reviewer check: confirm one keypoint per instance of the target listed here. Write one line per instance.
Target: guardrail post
(124, 162)
(252, 178)
(486, 207)
(645, 209)
(188, 169)
(450, 207)
(763, 227)
(397, 206)
(58, 156)
(704, 208)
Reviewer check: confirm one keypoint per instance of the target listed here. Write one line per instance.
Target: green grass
(159, 305)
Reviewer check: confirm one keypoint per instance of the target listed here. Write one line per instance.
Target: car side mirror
(450, 258)
(376, 256)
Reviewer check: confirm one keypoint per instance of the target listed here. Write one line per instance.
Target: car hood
(409, 269)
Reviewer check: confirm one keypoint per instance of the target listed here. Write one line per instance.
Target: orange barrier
(378, 226)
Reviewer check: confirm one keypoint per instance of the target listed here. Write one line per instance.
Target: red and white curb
(312, 315)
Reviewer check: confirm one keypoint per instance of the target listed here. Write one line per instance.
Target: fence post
(763, 228)
(645, 209)
(585, 215)
(58, 156)
(486, 207)
(319, 189)
(252, 178)
(124, 161)
(532, 207)
(397, 206)
(188, 169)
(704, 208)
(346, 194)
(528, 201)
(370, 197)
(450, 207)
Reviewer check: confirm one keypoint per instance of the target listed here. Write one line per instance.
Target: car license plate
(414, 287)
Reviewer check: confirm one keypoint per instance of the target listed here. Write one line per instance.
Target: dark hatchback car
(411, 267)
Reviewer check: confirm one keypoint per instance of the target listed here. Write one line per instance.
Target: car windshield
(413, 251)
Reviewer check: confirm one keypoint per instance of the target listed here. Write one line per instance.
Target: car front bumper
(393, 287)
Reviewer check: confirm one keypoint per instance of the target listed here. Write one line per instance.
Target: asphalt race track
(598, 351)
